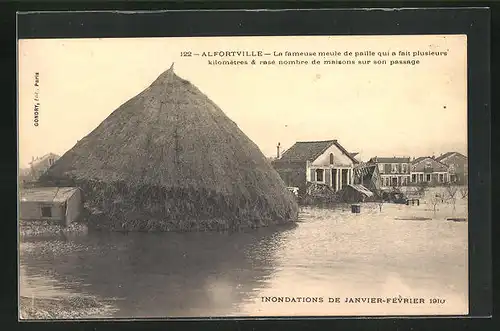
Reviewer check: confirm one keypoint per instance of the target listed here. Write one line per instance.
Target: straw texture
(170, 159)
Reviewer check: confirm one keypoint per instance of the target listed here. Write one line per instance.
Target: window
(51, 162)
(46, 211)
(394, 168)
(320, 175)
(381, 168)
(331, 158)
(413, 178)
(428, 177)
(441, 178)
(404, 165)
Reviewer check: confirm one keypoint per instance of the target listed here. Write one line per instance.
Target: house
(368, 175)
(458, 166)
(394, 171)
(41, 164)
(320, 162)
(62, 205)
(428, 170)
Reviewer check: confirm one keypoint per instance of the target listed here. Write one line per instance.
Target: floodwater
(330, 253)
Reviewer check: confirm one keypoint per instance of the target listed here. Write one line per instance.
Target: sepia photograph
(243, 176)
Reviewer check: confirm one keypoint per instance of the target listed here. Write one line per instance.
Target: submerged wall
(119, 207)
(32, 210)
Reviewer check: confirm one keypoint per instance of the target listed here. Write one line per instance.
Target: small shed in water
(355, 193)
(59, 204)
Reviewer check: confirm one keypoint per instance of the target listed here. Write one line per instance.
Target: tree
(464, 191)
(379, 199)
(380, 204)
(435, 201)
(452, 190)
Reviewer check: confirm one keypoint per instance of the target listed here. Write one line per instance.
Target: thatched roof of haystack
(173, 137)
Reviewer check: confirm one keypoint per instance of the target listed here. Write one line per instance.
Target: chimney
(278, 151)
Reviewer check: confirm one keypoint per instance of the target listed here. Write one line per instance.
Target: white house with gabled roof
(321, 162)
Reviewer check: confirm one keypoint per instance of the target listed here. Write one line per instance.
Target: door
(345, 175)
(334, 179)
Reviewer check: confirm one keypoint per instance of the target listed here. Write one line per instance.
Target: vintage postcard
(243, 176)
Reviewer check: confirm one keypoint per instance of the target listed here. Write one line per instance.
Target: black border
(473, 22)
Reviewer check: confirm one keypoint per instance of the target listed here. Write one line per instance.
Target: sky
(376, 110)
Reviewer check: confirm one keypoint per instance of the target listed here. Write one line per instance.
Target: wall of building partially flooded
(73, 207)
(31, 210)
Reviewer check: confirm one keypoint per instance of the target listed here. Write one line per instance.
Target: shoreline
(70, 307)
(44, 228)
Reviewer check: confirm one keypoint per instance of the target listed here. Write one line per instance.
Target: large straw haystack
(170, 159)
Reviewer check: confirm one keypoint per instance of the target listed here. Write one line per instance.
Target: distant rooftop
(310, 150)
(38, 159)
(393, 159)
(420, 159)
(444, 156)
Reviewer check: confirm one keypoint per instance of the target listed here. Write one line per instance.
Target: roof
(311, 150)
(420, 159)
(394, 159)
(361, 189)
(362, 165)
(446, 155)
(47, 194)
(364, 169)
(415, 163)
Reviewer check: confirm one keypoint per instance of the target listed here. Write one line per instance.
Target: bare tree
(379, 199)
(435, 201)
(380, 204)
(452, 190)
(464, 191)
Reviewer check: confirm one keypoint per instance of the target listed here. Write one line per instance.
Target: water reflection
(158, 275)
(331, 252)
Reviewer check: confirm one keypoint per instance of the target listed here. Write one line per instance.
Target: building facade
(320, 162)
(458, 166)
(62, 205)
(428, 170)
(40, 165)
(394, 171)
